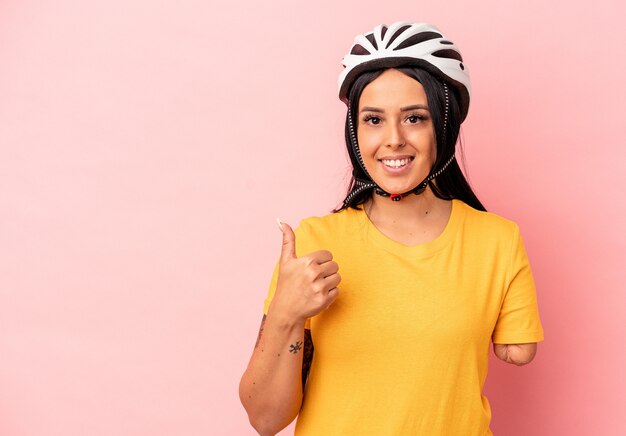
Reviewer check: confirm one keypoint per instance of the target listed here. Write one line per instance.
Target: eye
(415, 118)
(372, 119)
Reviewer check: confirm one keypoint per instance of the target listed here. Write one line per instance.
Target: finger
(288, 250)
(332, 296)
(320, 257)
(332, 281)
(328, 269)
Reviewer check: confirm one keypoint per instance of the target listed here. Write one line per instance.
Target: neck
(411, 209)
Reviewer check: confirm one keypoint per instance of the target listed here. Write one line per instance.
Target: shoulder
(486, 221)
(488, 226)
(328, 230)
(493, 237)
(330, 223)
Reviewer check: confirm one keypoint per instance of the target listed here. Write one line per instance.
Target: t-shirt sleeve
(518, 322)
(270, 295)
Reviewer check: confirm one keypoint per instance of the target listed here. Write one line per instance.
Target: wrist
(282, 318)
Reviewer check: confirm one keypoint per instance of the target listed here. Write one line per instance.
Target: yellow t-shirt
(403, 349)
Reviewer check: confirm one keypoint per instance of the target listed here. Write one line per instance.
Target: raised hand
(307, 284)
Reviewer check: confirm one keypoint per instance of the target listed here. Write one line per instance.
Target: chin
(400, 188)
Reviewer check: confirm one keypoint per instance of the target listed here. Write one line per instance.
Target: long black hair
(451, 183)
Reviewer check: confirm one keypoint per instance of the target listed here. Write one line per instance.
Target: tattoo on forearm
(258, 339)
(294, 348)
(307, 358)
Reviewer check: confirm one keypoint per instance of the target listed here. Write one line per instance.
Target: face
(395, 132)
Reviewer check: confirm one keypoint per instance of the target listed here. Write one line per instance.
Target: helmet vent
(371, 39)
(358, 49)
(448, 53)
(417, 38)
(383, 30)
(445, 42)
(395, 35)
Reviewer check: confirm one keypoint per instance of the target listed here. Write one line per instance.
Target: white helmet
(407, 44)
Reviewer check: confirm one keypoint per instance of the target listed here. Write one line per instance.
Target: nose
(395, 138)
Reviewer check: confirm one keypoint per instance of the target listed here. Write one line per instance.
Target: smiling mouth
(396, 163)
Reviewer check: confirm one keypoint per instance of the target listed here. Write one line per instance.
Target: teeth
(395, 163)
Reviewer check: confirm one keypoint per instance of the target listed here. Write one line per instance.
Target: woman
(398, 344)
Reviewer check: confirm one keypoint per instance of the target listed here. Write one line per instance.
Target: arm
(271, 388)
(518, 328)
(279, 398)
(517, 354)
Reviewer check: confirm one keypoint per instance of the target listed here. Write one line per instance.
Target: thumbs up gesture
(307, 284)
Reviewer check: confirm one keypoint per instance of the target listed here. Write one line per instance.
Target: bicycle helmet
(407, 44)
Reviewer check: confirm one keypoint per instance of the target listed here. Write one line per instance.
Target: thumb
(289, 242)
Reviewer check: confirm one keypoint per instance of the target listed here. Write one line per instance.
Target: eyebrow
(403, 109)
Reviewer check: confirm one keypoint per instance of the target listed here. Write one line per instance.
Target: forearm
(271, 388)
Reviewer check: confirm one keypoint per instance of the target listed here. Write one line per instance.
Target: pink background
(147, 146)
